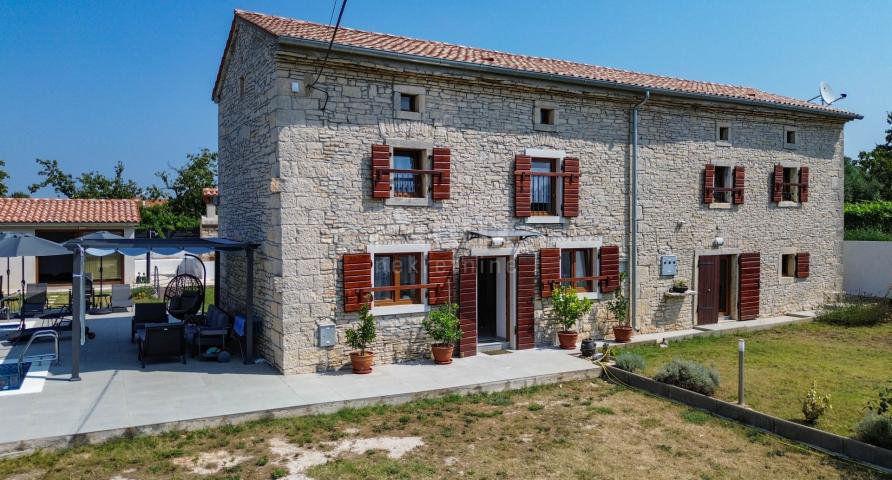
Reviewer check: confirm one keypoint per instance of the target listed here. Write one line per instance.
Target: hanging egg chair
(184, 295)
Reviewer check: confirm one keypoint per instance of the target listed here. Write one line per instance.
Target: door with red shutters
(708, 278)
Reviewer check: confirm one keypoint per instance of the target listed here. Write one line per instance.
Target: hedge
(869, 215)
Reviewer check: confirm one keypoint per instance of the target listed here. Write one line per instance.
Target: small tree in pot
(568, 309)
(443, 327)
(359, 338)
(619, 308)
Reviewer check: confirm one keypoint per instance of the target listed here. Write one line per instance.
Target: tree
(184, 185)
(20, 195)
(876, 168)
(88, 185)
(161, 220)
(4, 190)
(858, 187)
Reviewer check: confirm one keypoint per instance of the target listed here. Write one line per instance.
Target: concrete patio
(116, 396)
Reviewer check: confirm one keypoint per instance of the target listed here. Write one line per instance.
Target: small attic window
(546, 116)
(791, 137)
(723, 133)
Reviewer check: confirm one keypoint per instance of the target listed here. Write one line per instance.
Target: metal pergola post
(249, 304)
(77, 312)
(217, 277)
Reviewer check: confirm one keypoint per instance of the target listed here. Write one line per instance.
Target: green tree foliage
(184, 184)
(4, 190)
(163, 221)
(568, 307)
(20, 195)
(876, 168)
(88, 185)
(858, 187)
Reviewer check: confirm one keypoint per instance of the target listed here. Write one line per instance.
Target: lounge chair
(162, 340)
(208, 330)
(35, 301)
(144, 313)
(121, 298)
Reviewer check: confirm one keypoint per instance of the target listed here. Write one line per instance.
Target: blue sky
(90, 83)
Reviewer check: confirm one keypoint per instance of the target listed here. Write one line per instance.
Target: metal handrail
(52, 357)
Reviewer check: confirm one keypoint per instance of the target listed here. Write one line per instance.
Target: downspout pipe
(633, 216)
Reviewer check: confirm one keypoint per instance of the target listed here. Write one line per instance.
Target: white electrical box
(328, 335)
(668, 265)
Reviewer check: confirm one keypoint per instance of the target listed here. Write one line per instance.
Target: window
(408, 103)
(791, 137)
(790, 192)
(241, 86)
(407, 184)
(788, 265)
(394, 271)
(577, 263)
(724, 134)
(543, 187)
(546, 116)
(723, 184)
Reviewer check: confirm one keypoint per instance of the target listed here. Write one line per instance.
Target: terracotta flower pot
(362, 364)
(568, 340)
(442, 353)
(622, 333)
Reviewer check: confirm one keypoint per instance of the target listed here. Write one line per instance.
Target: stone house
(421, 173)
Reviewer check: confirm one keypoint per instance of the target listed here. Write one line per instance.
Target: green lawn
(848, 363)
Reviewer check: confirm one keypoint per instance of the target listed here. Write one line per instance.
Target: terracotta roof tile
(301, 29)
(53, 210)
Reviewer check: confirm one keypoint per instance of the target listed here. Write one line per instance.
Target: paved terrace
(116, 395)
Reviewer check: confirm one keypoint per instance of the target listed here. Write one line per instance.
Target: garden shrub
(142, 293)
(869, 215)
(814, 405)
(868, 235)
(875, 430)
(689, 375)
(858, 312)
(630, 362)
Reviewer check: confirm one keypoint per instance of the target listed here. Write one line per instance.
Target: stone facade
(297, 179)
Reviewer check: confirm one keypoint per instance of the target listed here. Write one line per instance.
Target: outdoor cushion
(217, 318)
(239, 326)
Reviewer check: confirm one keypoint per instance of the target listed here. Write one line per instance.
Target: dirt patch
(298, 460)
(209, 463)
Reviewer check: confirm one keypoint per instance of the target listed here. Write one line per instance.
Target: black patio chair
(208, 330)
(121, 298)
(144, 313)
(162, 340)
(35, 303)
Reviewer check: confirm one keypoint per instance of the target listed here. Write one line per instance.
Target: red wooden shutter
(708, 183)
(357, 280)
(739, 184)
(802, 264)
(803, 184)
(467, 306)
(549, 269)
(526, 290)
(439, 271)
(380, 174)
(442, 159)
(523, 165)
(608, 256)
(750, 268)
(570, 201)
(778, 194)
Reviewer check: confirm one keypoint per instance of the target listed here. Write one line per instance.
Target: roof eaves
(377, 53)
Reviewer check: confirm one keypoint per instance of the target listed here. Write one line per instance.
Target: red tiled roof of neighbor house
(57, 210)
(300, 29)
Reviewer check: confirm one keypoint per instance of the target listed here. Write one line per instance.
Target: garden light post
(741, 348)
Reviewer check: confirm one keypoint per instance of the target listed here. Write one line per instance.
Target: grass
(849, 363)
(585, 429)
(868, 234)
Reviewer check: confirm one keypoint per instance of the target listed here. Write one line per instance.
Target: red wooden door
(708, 290)
(750, 282)
(526, 290)
(467, 306)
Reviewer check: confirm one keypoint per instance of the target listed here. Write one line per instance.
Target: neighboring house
(209, 221)
(60, 220)
(411, 165)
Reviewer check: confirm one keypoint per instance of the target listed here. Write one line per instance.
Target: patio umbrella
(97, 252)
(27, 245)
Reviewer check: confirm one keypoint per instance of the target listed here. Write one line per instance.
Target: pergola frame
(218, 245)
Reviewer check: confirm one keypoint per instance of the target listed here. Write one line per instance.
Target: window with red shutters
(439, 272)
(802, 264)
(790, 184)
(409, 172)
(608, 256)
(357, 269)
(708, 183)
(723, 185)
(526, 290)
(749, 278)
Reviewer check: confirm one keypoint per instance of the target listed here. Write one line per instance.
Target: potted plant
(359, 339)
(568, 309)
(443, 327)
(619, 308)
(679, 286)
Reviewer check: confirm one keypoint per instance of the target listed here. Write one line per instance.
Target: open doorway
(716, 288)
(492, 301)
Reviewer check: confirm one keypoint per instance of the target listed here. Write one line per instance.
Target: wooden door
(708, 290)
(467, 306)
(749, 275)
(526, 290)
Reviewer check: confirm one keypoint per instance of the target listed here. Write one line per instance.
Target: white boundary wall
(868, 267)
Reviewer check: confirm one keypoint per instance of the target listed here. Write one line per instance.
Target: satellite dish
(827, 95)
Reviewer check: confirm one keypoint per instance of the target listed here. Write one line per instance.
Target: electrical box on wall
(668, 265)
(328, 335)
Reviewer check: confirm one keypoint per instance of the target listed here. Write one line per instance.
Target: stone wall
(327, 209)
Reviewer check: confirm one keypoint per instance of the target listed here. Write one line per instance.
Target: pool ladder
(43, 357)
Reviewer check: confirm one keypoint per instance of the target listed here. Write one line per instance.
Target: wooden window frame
(572, 278)
(396, 289)
(551, 177)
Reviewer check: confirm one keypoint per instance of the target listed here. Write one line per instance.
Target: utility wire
(328, 52)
